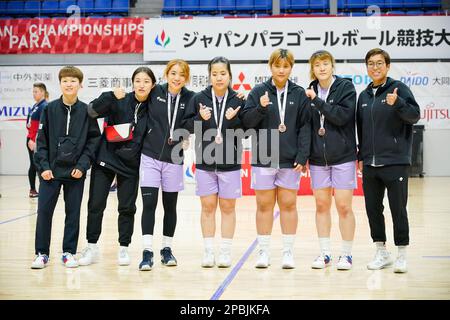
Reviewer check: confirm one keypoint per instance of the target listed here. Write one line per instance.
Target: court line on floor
(237, 267)
(14, 219)
(436, 257)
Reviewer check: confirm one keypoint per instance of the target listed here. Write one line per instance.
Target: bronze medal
(321, 132)
(282, 127)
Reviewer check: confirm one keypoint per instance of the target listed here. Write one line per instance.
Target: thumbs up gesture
(264, 100)
(310, 93)
(231, 113)
(205, 112)
(392, 97)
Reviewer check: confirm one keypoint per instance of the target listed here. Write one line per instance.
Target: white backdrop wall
(430, 83)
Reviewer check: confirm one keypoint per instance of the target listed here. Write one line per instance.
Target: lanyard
(323, 95)
(175, 111)
(68, 120)
(282, 104)
(136, 110)
(224, 103)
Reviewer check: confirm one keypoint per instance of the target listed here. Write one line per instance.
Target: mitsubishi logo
(245, 85)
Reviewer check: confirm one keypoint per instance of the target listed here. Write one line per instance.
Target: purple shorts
(226, 183)
(341, 176)
(270, 178)
(155, 173)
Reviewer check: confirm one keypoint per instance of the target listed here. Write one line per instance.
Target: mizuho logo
(162, 40)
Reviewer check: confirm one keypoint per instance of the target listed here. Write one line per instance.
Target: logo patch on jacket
(161, 99)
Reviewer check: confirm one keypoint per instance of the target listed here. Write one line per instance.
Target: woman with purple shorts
(279, 111)
(162, 163)
(218, 150)
(332, 162)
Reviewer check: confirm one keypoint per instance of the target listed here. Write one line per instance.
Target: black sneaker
(147, 261)
(167, 257)
(33, 193)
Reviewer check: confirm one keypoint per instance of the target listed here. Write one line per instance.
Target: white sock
(167, 242)
(325, 246)
(147, 242)
(288, 242)
(209, 244)
(264, 242)
(380, 245)
(347, 247)
(92, 246)
(225, 245)
(402, 251)
(123, 248)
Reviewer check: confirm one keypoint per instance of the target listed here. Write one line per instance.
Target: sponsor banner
(429, 82)
(71, 35)
(411, 37)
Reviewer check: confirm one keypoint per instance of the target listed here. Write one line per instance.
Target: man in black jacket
(66, 143)
(386, 113)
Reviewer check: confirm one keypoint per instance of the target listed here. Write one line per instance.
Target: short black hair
(376, 51)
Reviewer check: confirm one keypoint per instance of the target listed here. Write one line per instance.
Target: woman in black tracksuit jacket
(119, 159)
(332, 162)
(278, 181)
(159, 168)
(386, 113)
(218, 148)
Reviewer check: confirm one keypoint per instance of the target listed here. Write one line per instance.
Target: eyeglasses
(377, 64)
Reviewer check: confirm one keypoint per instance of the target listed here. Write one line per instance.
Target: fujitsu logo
(431, 113)
(241, 78)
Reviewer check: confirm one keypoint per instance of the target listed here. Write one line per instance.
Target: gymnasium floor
(428, 256)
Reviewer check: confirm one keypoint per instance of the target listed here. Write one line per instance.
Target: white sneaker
(400, 265)
(40, 261)
(123, 257)
(88, 256)
(263, 259)
(288, 260)
(224, 260)
(381, 260)
(69, 260)
(345, 262)
(208, 259)
(321, 262)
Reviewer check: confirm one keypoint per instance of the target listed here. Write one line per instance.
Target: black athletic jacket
(231, 143)
(384, 131)
(295, 142)
(156, 143)
(83, 135)
(121, 157)
(338, 145)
